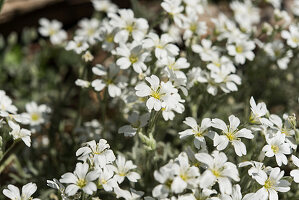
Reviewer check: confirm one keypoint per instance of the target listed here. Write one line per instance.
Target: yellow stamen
(130, 28)
(81, 183)
(216, 172)
(231, 136)
(275, 148)
(193, 27)
(156, 95)
(239, 49)
(133, 59)
(35, 116)
(268, 184)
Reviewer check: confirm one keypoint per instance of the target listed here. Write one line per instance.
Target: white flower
(78, 45)
(237, 195)
(136, 122)
(223, 78)
(82, 83)
(6, 106)
(241, 50)
(89, 29)
(275, 3)
(257, 112)
(87, 56)
(295, 7)
(104, 6)
(226, 28)
(105, 179)
(80, 179)
(198, 131)
(231, 134)
(271, 184)
(245, 13)
(196, 7)
(128, 25)
(131, 55)
(55, 184)
(218, 169)
(204, 193)
(206, 51)
(53, 30)
(284, 128)
(174, 8)
(282, 17)
(123, 169)
(219, 62)
(276, 51)
(106, 35)
(175, 65)
(99, 153)
(36, 113)
(193, 27)
(256, 167)
(109, 79)
(194, 75)
(159, 93)
(292, 36)
(295, 172)
(185, 175)
(13, 192)
(277, 147)
(19, 133)
(165, 177)
(162, 45)
(128, 195)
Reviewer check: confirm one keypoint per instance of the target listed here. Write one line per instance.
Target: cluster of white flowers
(166, 70)
(34, 116)
(100, 170)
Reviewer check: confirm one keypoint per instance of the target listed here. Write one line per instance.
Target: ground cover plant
(172, 99)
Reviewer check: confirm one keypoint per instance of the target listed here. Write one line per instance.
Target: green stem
(152, 123)
(8, 151)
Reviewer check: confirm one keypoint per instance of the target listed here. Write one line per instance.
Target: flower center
(81, 183)
(184, 177)
(133, 59)
(79, 44)
(171, 66)
(231, 136)
(109, 38)
(156, 95)
(130, 28)
(168, 183)
(193, 27)
(198, 133)
(102, 182)
(90, 32)
(239, 49)
(217, 64)
(285, 131)
(52, 31)
(35, 116)
(295, 39)
(122, 174)
(275, 148)
(277, 52)
(25, 197)
(268, 184)
(216, 172)
(136, 124)
(159, 46)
